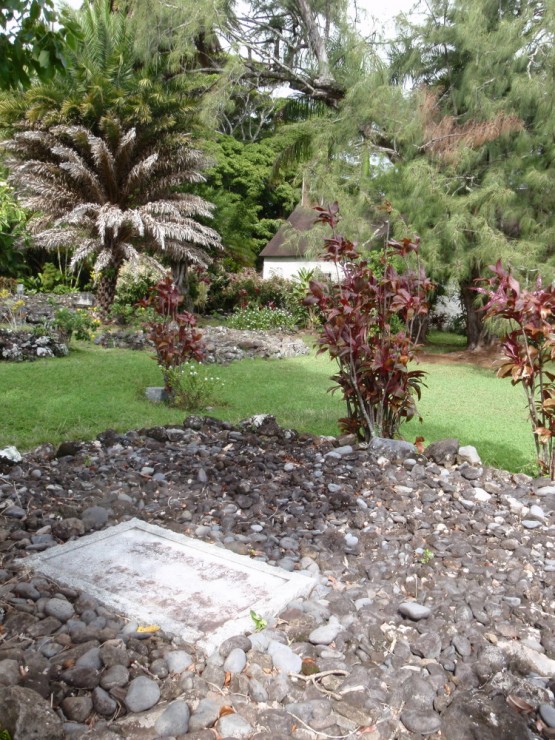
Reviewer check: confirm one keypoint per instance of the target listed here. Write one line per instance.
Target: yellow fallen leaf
(149, 628)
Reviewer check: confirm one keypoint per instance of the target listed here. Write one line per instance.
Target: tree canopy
(28, 44)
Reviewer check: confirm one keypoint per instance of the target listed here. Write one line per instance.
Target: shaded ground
(452, 355)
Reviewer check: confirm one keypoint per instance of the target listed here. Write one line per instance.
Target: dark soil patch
(488, 357)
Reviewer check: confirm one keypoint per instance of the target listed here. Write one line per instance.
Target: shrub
(173, 333)
(369, 318)
(193, 386)
(79, 323)
(529, 350)
(12, 309)
(231, 290)
(52, 280)
(266, 318)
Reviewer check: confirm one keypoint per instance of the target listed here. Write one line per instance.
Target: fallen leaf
(227, 679)
(519, 704)
(225, 710)
(419, 444)
(148, 629)
(309, 667)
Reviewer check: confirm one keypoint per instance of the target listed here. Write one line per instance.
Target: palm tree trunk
(106, 289)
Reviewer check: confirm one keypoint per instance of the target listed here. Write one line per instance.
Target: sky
(383, 11)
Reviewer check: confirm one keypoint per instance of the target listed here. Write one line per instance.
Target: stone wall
(19, 345)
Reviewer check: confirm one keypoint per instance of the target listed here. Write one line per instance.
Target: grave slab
(195, 590)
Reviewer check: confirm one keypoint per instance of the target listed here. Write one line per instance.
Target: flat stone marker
(152, 575)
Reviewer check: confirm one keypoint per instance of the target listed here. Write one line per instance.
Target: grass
(444, 341)
(94, 389)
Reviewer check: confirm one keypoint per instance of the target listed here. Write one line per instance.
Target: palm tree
(111, 196)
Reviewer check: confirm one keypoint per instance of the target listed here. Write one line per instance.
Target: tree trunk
(180, 274)
(317, 43)
(477, 336)
(106, 289)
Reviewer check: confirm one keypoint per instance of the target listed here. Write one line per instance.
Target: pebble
(547, 713)
(174, 720)
(233, 725)
(421, 722)
(283, 658)
(414, 611)
(205, 715)
(143, 693)
(178, 661)
(327, 633)
(235, 661)
(353, 520)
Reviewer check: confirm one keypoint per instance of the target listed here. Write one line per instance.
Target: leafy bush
(79, 323)
(193, 386)
(529, 350)
(52, 280)
(173, 333)
(369, 319)
(231, 290)
(12, 308)
(266, 318)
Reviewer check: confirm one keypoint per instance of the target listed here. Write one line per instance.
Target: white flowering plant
(195, 386)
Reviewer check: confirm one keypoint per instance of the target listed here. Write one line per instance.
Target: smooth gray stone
(9, 672)
(420, 721)
(60, 609)
(547, 713)
(103, 703)
(205, 715)
(283, 658)
(235, 661)
(414, 611)
(257, 692)
(174, 720)
(326, 633)
(156, 394)
(178, 661)
(143, 693)
(233, 725)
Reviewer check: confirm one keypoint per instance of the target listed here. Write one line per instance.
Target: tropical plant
(79, 324)
(28, 44)
(110, 196)
(12, 228)
(193, 385)
(368, 328)
(529, 350)
(254, 318)
(173, 332)
(476, 181)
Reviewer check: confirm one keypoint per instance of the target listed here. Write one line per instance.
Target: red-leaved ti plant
(528, 349)
(369, 322)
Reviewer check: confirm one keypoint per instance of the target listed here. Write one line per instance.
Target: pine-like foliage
(110, 196)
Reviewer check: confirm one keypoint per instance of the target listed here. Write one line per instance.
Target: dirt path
(487, 358)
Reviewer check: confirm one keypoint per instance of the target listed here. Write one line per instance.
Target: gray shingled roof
(289, 240)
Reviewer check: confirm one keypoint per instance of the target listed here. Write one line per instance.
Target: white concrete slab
(193, 589)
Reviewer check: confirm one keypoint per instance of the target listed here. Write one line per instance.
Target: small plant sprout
(426, 556)
(259, 622)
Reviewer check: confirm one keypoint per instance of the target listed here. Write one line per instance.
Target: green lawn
(94, 389)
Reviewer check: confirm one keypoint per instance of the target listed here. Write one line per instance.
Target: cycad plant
(111, 196)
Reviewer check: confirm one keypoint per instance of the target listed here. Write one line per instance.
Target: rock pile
(21, 345)
(223, 345)
(433, 615)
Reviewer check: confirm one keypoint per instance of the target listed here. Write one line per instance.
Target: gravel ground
(433, 615)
